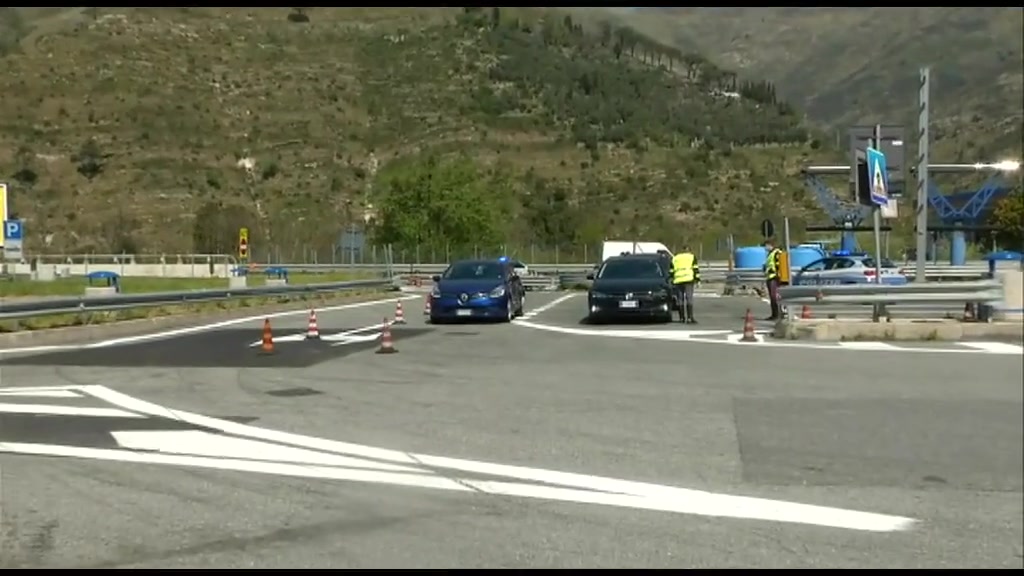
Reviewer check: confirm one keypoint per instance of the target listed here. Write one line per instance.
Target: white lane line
(66, 411)
(238, 465)
(29, 349)
(995, 347)
(340, 337)
(199, 443)
(736, 340)
(542, 309)
(868, 345)
(235, 321)
(571, 487)
(29, 393)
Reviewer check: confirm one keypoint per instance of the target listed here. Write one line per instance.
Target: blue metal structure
(844, 214)
(966, 210)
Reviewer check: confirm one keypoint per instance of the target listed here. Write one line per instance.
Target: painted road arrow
(224, 445)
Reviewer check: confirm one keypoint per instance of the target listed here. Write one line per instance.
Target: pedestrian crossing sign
(878, 177)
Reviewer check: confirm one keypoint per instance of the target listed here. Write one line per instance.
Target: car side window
(815, 266)
(843, 263)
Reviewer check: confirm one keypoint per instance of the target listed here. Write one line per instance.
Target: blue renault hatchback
(477, 290)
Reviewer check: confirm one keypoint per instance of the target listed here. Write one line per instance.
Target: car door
(811, 274)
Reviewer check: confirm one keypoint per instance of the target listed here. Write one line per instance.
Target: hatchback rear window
(870, 263)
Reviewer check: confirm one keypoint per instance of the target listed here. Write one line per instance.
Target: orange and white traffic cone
(748, 328)
(969, 315)
(399, 313)
(426, 306)
(267, 345)
(386, 345)
(805, 312)
(312, 330)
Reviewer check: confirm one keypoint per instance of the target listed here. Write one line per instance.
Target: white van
(617, 247)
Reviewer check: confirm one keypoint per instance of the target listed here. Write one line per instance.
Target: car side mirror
(590, 275)
(436, 277)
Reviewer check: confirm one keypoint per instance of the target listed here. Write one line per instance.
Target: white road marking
(280, 469)
(346, 337)
(542, 309)
(735, 339)
(738, 338)
(568, 487)
(29, 349)
(65, 411)
(30, 393)
(235, 321)
(995, 347)
(199, 443)
(867, 345)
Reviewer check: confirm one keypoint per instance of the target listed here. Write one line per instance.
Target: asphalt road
(935, 439)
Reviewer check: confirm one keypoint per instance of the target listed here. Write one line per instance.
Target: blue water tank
(750, 257)
(801, 256)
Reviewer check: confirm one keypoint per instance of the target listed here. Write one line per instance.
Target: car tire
(667, 318)
(436, 321)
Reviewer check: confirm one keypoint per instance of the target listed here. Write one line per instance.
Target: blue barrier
(107, 278)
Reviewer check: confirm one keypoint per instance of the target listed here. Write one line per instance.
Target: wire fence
(564, 254)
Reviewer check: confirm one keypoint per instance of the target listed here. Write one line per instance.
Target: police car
(842, 267)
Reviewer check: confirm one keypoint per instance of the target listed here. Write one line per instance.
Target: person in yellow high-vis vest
(685, 277)
(772, 279)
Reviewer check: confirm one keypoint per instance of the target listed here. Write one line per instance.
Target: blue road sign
(879, 177)
(13, 230)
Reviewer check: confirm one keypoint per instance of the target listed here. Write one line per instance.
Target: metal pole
(785, 232)
(921, 236)
(876, 143)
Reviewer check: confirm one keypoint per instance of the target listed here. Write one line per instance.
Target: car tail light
(869, 272)
(901, 272)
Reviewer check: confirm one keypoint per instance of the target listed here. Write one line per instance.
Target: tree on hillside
(1008, 218)
(215, 230)
(433, 201)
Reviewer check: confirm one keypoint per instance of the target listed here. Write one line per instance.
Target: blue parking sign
(13, 230)
(878, 176)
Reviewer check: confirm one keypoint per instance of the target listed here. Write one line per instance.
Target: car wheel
(434, 320)
(666, 318)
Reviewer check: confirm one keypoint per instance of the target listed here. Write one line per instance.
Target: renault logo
(629, 295)
(463, 297)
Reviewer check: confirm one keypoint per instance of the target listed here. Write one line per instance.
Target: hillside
(164, 130)
(859, 65)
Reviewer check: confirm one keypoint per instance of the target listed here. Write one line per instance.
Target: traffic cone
(399, 313)
(969, 312)
(805, 312)
(426, 306)
(312, 330)
(386, 346)
(267, 345)
(748, 328)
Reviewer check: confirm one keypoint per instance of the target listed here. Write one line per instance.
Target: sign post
(3, 209)
(243, 245)
(14, 233)
(878, 183)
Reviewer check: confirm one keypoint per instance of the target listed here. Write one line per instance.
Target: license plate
(628, 304)
(463, 312)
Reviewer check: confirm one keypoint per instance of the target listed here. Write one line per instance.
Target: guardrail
(942, 297)
(76, 305)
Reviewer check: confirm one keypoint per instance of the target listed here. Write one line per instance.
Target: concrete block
(1013, 299)
(93, 291)
(236, 282)
(276, 282)
(897, 330)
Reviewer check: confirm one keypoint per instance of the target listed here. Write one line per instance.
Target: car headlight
(599, 295)
(435, 292)
(497, 292)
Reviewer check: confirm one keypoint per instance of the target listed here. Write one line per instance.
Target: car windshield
(630, 268)
(474, 271)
